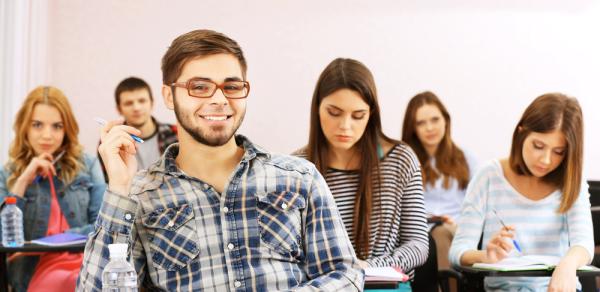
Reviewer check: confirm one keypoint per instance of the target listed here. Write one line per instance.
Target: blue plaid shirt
(274, 227)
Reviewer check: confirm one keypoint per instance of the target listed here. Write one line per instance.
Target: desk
(474, 277)
(28, 247)
(387, 287)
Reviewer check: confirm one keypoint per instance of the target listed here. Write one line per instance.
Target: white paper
(527, 262)
(386, 272)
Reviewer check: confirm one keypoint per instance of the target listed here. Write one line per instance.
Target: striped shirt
(539, 228)
(398, 234)
(274, 227)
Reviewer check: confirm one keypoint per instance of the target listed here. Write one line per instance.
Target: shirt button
(128, 216)
(205, 186)
(225, 209)
(237, 284)
(284, 206)
(230, 246)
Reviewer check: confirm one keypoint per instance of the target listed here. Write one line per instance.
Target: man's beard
(218, 140)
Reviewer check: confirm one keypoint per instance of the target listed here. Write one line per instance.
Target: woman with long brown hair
(58, 188)
(446, 167)
(375, 180)
(536, 192)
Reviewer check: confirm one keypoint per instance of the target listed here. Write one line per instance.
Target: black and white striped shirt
(398, 235)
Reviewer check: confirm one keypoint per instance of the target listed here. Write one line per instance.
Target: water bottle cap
(117, 250)
(10, 200)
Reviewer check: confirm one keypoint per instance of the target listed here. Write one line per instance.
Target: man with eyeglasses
(217, 212)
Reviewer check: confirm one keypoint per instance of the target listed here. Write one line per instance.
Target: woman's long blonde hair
(21, 152)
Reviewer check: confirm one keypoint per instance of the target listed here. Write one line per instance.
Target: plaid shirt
(274, 227)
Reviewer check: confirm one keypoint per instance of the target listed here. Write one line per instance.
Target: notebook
(384, 277)
(61, 239)
(392, 274)
(526, 263)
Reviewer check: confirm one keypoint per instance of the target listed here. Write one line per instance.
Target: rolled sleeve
(330, 262)
(414, 245)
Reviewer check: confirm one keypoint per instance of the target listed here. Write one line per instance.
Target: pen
(103, 122)
(502, 222)
(54, 161)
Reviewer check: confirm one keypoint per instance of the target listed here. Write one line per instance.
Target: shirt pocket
(173, 238)
(280, 221)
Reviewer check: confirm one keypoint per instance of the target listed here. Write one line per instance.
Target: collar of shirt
(167, 164)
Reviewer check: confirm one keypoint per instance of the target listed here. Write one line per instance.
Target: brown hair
(547, 113)
(450, 160)
(353, 75)
(195, 44)
(131, 84)
(21, 152)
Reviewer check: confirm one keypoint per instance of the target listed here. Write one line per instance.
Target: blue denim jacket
(79, 201)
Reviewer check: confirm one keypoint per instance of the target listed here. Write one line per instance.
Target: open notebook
(526, 263)
(392, 274)
(384, 277)
(61, 239)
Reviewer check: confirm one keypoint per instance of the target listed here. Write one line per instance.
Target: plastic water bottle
(12, 223)
(118, 275)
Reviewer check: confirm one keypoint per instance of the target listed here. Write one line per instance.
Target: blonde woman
(64, 196)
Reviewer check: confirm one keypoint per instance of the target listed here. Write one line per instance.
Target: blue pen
(502, 222)
(103, 122)
(56, 159)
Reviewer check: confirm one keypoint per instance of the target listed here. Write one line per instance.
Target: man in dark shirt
(134, 101)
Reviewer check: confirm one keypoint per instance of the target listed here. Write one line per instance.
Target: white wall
(23, 32)
(487, 60)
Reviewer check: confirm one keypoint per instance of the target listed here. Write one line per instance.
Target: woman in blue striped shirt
(537, 193)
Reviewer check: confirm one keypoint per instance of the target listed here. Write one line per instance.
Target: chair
(444, 277)
(589, 284)
(594, 190)
(426, 276)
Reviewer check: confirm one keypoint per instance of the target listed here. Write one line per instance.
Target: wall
(23, 59)
(487, 61)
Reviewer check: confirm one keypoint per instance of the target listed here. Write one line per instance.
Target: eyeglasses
(200, 87)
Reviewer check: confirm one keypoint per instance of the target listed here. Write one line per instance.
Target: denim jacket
(79, 201)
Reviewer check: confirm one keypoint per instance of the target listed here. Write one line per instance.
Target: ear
(167, 94)
(119, 110)
(519, 128)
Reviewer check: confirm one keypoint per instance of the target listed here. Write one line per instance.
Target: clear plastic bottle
(119, 275)
(12, 223)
